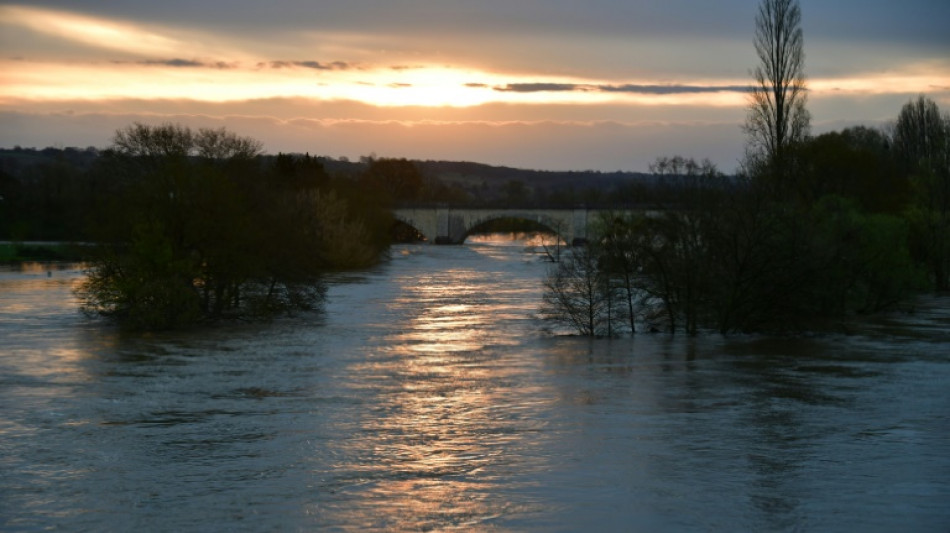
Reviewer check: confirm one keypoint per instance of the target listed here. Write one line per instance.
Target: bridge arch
(405, 232)
(448, 225)
(451, 225)
(543, 221)
(423, 220)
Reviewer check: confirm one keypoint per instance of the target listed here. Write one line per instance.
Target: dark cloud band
(673, 89)
(539, 87)
(628, 88)
(186, 63)
(316, 65)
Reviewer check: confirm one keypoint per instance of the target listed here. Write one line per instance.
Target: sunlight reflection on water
(445, 428)
(428, 397)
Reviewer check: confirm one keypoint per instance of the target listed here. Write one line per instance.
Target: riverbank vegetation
(732, 257)
(23, 252)
(193, 226)
(813, 230)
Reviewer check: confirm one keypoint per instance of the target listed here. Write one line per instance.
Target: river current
(429, 396)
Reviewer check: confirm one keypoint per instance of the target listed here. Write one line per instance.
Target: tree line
(45, 193)
(813, 230)
(193, 226)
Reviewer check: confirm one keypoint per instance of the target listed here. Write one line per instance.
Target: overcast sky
(551, 84)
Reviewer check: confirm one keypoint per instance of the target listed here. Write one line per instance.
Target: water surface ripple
(429, 396)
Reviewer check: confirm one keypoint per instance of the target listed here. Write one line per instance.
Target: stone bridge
(451, 225)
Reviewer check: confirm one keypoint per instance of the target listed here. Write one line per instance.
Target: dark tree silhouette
(400, 179)
(196, 231)
(777, 118)
(576, 295)
(922, 144)
(921, 136)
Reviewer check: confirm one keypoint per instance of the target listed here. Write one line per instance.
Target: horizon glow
(82, 62)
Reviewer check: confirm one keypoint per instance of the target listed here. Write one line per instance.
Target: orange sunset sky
(602, 84)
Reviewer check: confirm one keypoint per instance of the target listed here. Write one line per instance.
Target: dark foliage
(194, 228)
(731, 257)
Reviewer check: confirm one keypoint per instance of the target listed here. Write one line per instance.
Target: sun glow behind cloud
(430, 86)
(404, 90)
(163, 64)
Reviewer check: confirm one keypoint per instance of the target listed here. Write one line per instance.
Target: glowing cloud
(388, 79)
(169, 66)
(90, 31)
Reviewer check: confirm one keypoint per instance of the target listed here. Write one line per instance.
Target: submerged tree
(194, 230)
(620, 241)
(577, 294)
(778, 118)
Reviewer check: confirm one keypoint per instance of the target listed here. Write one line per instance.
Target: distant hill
(15, 160)
(461, 172)
(467, 172)
(489, 183)
(462, 182)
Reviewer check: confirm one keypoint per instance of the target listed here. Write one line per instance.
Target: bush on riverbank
(194, 228)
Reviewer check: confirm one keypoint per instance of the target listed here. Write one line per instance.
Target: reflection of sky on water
(528, 241)
(428, 397)
(34, 341)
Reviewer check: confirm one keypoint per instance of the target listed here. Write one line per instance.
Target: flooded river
(429, 396)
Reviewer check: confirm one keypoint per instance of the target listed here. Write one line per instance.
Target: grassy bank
(11, 252)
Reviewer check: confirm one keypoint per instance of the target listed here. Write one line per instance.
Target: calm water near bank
(428, 396)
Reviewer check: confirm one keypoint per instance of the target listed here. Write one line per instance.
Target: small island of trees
(192, 226)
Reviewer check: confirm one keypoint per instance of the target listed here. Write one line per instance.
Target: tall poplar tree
(778, 118)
